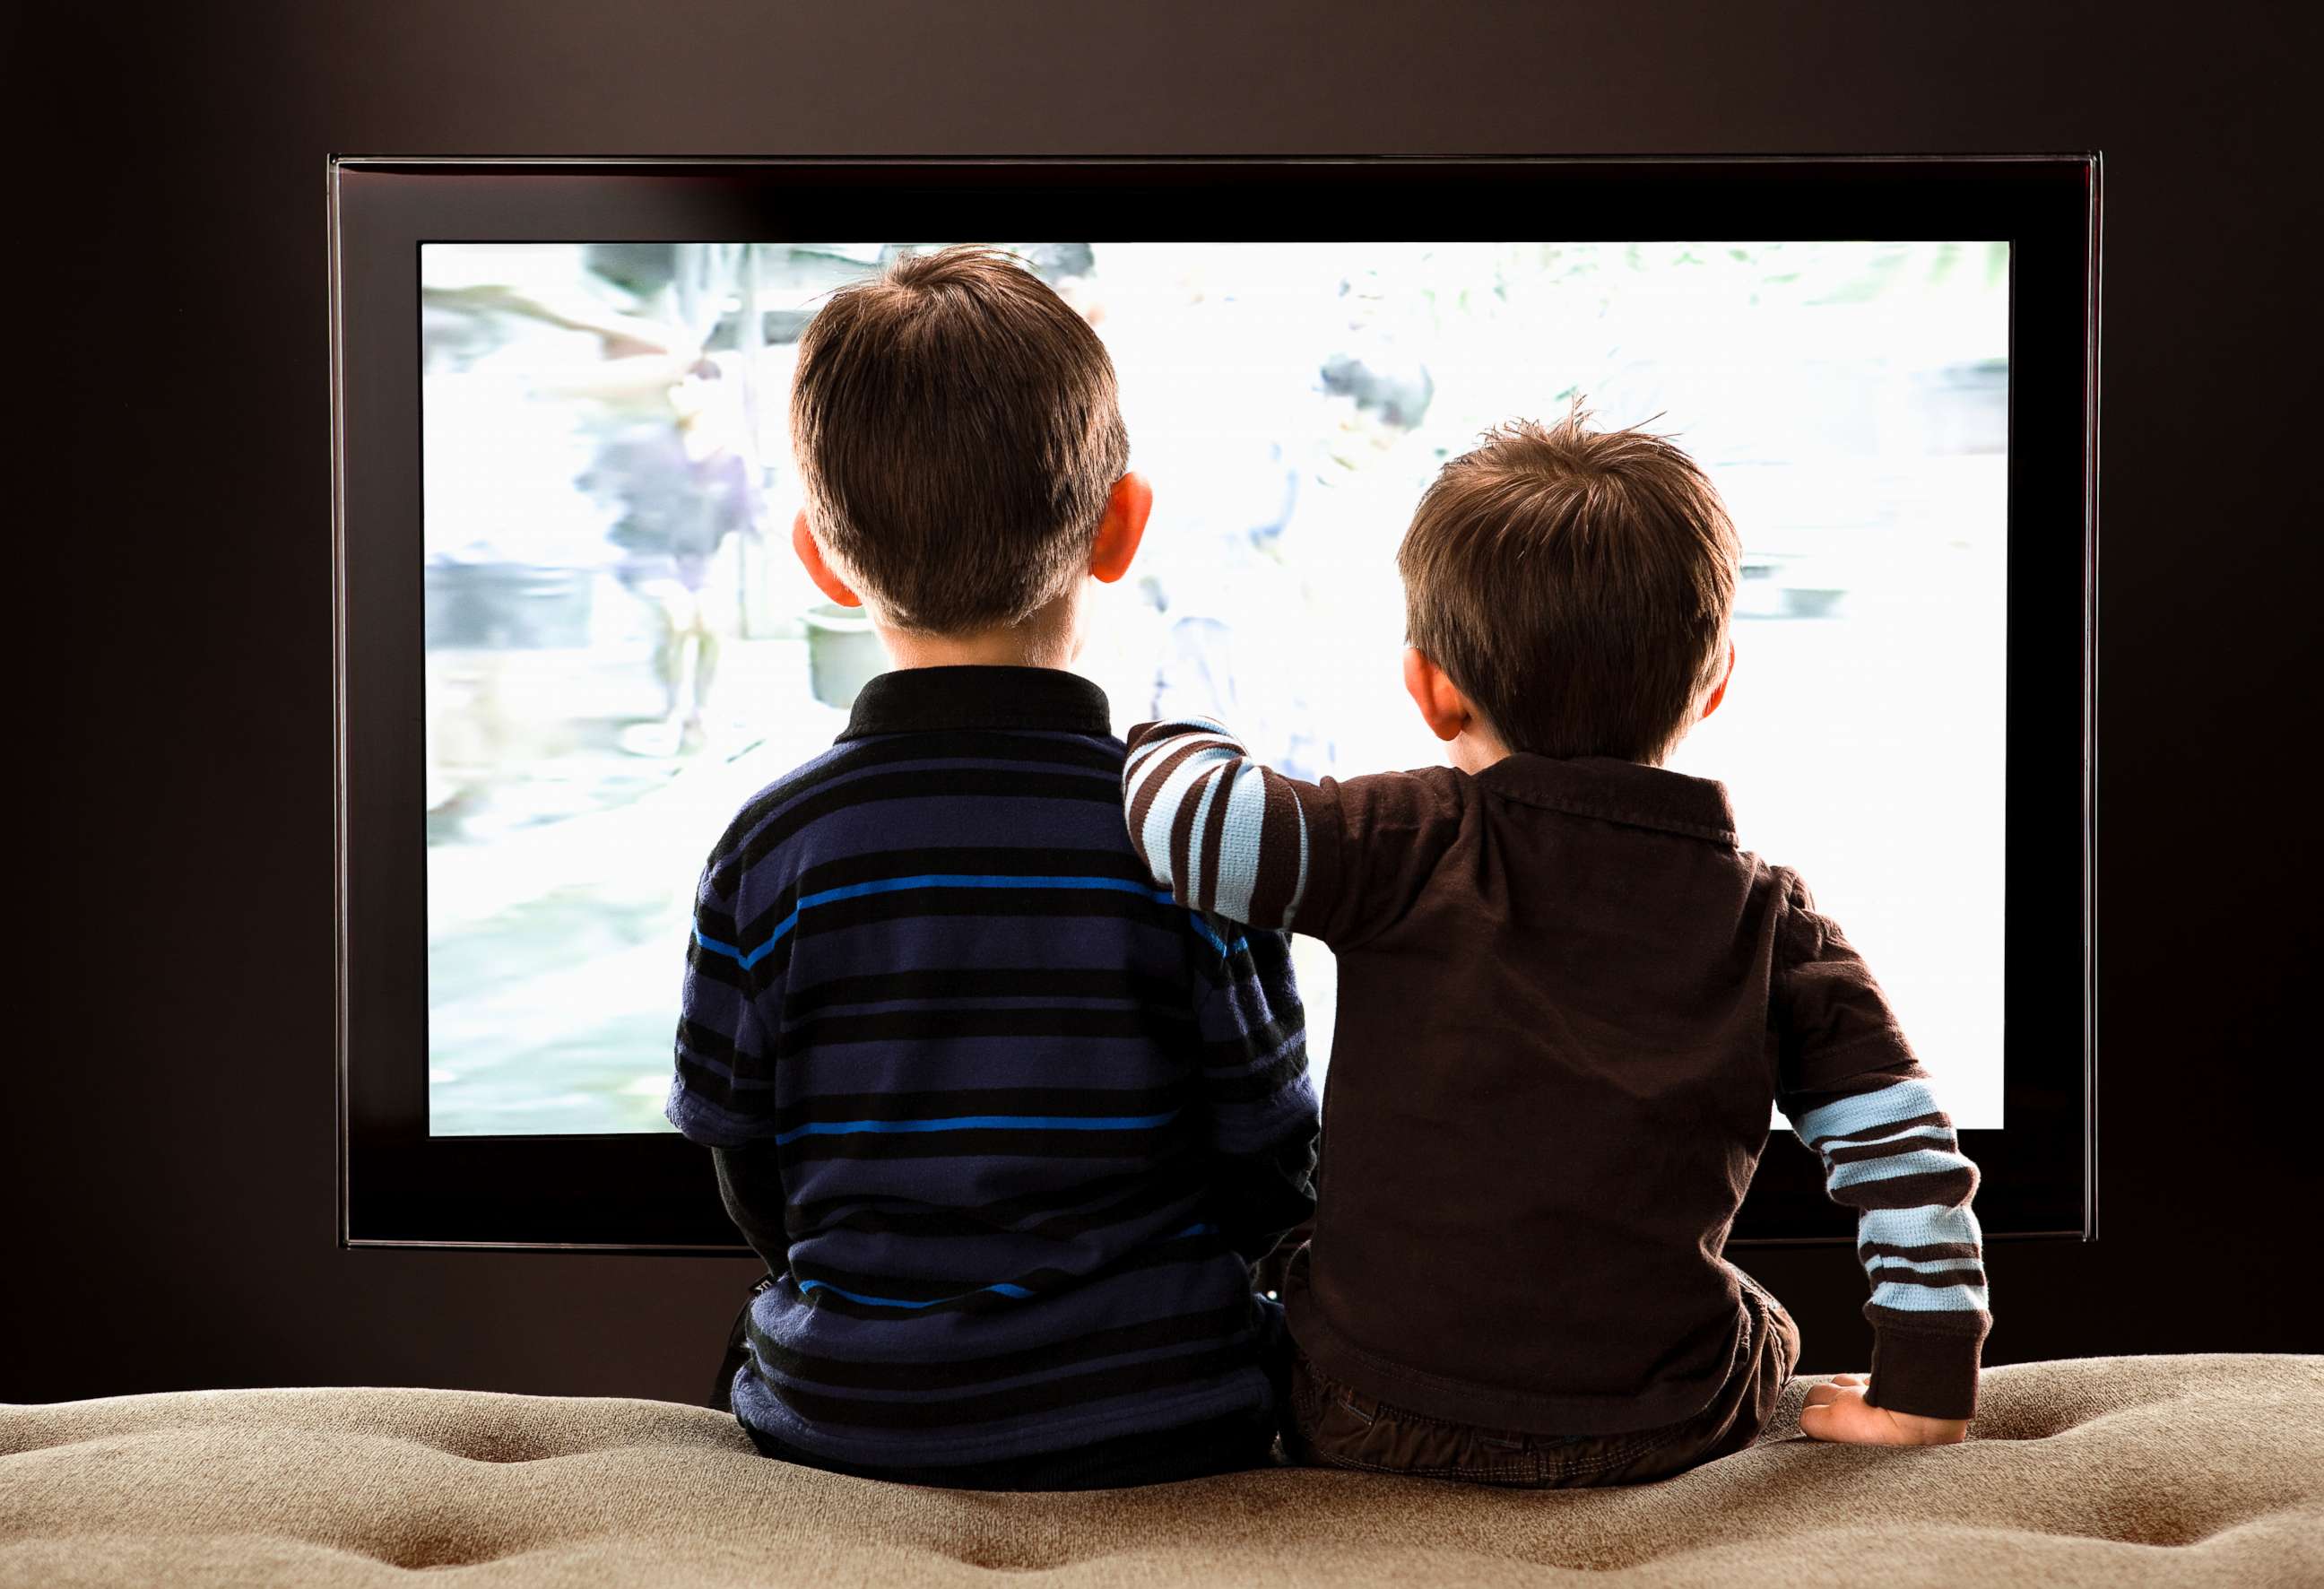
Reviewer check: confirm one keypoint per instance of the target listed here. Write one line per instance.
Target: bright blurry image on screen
(620, 648)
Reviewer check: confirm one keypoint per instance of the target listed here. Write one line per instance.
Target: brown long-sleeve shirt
(1567, 1001)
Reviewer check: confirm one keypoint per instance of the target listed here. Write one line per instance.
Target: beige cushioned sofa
(2109, 1473)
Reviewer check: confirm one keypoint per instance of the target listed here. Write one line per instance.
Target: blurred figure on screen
(683, 488)
(669, 460)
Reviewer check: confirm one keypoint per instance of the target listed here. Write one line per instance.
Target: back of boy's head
(1576, 585)
(958, 434)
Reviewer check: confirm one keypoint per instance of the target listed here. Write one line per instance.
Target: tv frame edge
(655, 1194)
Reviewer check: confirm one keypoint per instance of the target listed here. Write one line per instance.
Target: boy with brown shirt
(1567, 1002)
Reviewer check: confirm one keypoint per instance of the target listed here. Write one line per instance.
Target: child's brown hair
(958, 432)
(1576, 585)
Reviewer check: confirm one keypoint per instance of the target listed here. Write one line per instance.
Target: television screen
(571, 638)
(620, 647)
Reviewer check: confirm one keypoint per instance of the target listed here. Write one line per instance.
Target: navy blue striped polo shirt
(1007, 1124)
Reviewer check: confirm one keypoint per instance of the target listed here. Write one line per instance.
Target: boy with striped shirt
(1567, 1001)
(1009, 1126)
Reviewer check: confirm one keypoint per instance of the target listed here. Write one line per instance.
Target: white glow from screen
(1288, 402)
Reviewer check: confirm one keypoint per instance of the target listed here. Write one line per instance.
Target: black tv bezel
(399, 1187)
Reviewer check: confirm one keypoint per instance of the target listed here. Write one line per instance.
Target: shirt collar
(1617, 791)
(912, 701)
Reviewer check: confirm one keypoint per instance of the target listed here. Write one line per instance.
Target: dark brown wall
(166, 1182)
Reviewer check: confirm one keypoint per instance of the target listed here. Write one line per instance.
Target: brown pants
(1333, 1424)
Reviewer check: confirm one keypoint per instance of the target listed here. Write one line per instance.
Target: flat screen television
(571, 638)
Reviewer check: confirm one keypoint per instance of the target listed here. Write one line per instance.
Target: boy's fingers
(1848, 1418)
(1832, 1390)
(1839, 1421)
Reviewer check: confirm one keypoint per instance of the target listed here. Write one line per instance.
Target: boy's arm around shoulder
(1228, 837)
(1858, 1098)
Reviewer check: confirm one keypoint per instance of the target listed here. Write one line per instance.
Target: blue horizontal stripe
(747, 958)
(1227, 950)
(840, 1128)
(751, 958)
(1004, 1290)
(716, 947)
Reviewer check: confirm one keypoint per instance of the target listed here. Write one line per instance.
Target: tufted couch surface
(2105, 1471)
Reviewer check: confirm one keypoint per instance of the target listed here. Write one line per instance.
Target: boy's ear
(1121, 529)
(811, 557)
(1719, 691)
(1441, 705)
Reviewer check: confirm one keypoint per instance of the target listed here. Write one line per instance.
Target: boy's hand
(1839, 1412)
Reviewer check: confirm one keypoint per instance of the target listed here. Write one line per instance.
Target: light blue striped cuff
(1901, 1100)
(1904, 1297)
(1919, 1227)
